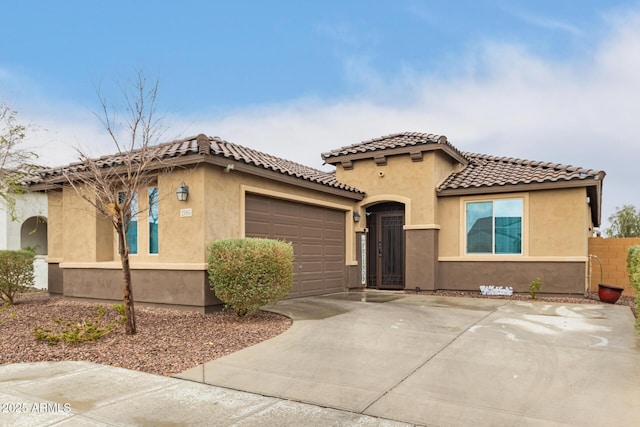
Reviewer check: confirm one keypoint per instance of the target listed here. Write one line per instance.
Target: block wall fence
(612, 252)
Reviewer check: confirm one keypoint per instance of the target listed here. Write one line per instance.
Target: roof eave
(593, 186)
(240, 166)
(512, 188)
(193, 159)
(346, 158)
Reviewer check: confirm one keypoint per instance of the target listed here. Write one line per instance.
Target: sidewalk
(87, 394)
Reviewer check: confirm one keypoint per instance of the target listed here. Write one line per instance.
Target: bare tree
(15, 160)
(110, 184)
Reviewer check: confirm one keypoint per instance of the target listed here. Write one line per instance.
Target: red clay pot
(608, 293)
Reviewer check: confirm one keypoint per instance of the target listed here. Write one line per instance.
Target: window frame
(150, 206)
(523, 225)
(135, 218)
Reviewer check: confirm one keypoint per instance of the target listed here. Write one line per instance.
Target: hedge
(246, 274)
(16, 273)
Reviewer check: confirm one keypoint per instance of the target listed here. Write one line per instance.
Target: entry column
(421, 244)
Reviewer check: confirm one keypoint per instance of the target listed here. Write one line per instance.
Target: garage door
(317, 235)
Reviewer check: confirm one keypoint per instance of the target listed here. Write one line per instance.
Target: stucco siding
(55, 226)
(189, 289)
(556, 277)
(558, 222)
(555, 222)
(400, 176)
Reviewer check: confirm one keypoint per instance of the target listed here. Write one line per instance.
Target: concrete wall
(612, 253)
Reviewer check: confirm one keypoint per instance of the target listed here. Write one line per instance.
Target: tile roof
(485, 171)
(388, 142)
(215, 146)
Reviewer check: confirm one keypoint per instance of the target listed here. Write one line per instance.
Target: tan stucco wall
(224, 203)
(401, 179)
(85, 235)
(216, 211)
(556, 223)
(55, 224)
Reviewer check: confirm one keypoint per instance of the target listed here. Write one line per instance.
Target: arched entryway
(385, 246)
(33, 234)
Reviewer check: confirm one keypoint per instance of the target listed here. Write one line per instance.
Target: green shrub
(16, 273)
(633, 268)
(246, 274)
(76, 330)
(534, 287)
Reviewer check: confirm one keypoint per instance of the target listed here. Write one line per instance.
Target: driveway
(446, 361)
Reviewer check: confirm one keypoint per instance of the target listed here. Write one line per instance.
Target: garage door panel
(311, 250)
(317, 235)
(336, 218)
(311, 232)
(335, 235)
(286, 230)
(258, 205)
(333, 267)
(333, 250)
(334, 284)
(311, 212)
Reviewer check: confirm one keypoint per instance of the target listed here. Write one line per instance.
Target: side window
(494, 227)
(131, 223)
(153, 220)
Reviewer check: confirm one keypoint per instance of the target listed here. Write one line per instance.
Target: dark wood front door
(385, 244)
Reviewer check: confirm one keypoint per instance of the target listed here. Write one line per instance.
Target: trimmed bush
(633, 268)
(246, 274)
(16, 273)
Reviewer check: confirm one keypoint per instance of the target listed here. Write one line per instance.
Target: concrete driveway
(441, 361)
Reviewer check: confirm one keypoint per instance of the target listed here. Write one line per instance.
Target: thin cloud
(506, 102)
(551, 24)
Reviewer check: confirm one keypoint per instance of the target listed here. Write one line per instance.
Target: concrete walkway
(369, 359)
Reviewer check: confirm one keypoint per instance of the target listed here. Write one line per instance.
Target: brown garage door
(317, 235)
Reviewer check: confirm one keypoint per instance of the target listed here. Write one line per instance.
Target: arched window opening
(33, 234)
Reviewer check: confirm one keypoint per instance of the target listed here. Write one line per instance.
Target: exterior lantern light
(356, 216)
(183, 192)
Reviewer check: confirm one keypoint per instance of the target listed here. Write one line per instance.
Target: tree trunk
(130, 324)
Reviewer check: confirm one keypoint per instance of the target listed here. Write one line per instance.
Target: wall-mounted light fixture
(183, 192)
(356, 216)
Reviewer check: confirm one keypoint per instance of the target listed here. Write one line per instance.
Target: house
(403, 211)
(24, 225)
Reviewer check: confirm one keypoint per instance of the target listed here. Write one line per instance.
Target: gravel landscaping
(168, 341)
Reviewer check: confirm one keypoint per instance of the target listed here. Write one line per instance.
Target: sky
(550, 80)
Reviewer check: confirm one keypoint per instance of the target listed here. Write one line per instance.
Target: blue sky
(543, 80)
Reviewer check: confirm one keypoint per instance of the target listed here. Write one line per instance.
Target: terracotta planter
(608, 293)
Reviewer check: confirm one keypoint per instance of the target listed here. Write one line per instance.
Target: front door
(385, 244)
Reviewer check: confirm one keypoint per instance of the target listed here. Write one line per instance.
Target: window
(153, 220)
(494, 227)
(131, 225)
